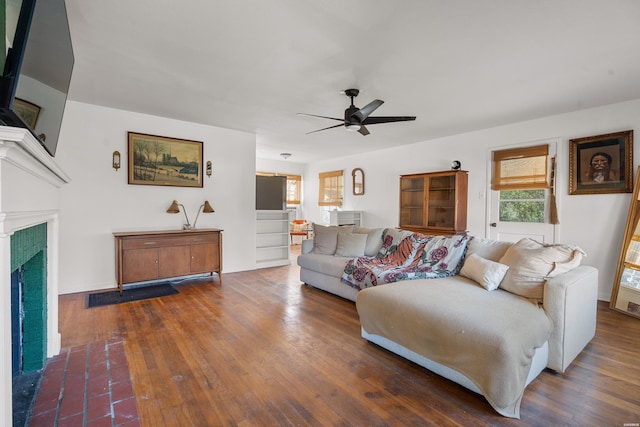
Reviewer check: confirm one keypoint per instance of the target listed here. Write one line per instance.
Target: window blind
(520, 168)
(331, 190)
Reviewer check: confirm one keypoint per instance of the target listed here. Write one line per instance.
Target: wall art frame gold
(601, 164)
(27, 111)
(161, 160)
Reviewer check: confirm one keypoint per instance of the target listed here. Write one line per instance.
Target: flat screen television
(271, 193)
(36, 59)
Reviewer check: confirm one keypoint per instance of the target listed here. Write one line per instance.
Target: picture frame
(27, 111)
(601, 164)
(161, 160)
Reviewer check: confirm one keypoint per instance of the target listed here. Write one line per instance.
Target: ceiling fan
(356, 118)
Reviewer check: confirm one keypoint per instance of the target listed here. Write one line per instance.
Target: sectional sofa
(488, 315)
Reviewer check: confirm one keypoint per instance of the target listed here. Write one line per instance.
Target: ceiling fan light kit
(356, 118)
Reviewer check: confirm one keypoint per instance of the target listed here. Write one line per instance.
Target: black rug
(133, 294)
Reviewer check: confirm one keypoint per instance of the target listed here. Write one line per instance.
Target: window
(331, 190)
(520, 175)
(294, 184)
(522, 205)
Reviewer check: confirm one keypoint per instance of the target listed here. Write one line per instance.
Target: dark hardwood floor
(263, 349)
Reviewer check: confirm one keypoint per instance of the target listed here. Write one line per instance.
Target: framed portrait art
(160, 160)
(601, 164)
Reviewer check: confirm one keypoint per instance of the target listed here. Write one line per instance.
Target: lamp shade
(207, 207)
(174, 208)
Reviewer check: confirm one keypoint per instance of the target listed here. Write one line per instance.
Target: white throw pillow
(374, 239)
(487, 273)
(351, 244)
(325, 239)
(532, 263)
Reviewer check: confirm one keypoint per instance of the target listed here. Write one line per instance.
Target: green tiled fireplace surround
(28, 249)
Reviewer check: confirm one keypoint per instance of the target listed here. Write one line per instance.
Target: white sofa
(476, 324)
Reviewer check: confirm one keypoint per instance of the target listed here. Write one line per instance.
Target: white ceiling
(251, 65)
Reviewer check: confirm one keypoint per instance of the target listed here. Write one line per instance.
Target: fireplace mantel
(29, 184)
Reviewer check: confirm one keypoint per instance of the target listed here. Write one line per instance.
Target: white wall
(99, 201)
(593, 222)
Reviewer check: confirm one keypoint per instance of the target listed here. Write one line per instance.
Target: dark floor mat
(133, 294)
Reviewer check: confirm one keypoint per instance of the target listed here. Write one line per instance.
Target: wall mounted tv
(36, 59)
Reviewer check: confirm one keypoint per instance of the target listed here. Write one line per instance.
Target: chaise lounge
(491, 323)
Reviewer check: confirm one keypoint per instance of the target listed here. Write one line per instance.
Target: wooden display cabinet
(434, 203)
(153, 255)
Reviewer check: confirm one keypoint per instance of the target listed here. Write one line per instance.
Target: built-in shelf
(272, 238)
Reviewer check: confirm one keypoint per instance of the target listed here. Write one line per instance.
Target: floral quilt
(417, 256)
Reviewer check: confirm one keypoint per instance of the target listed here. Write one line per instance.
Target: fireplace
(28, 299)
(29, 200)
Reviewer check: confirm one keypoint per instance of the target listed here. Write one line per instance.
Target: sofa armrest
(307, 246)
(570, 301)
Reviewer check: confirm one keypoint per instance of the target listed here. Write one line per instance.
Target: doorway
(516, 213)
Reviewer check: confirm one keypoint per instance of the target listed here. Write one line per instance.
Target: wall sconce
(205, 208)
(209, 169)
(116, 160)
(175, 208)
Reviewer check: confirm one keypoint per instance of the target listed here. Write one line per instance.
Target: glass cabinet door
(441, 201)
(412, 202)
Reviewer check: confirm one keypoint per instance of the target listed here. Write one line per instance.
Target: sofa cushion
(485, 272)
(390, 240)
(489, 249)
(531, 263)
(351, 244)
(374, 239)
(329, 265)
(325, 239)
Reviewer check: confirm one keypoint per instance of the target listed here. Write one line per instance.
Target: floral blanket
(417, 256)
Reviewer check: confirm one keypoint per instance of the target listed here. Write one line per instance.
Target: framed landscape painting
(27, 111)
(601, 164)
(160, 160)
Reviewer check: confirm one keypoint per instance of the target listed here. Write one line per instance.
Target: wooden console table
(152, 255)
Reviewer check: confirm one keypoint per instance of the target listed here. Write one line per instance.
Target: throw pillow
(374, 239)
(351, 244)
(487, 248)
(487, 273)
(531, 263)
(325, 239)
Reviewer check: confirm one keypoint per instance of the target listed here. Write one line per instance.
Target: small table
(304, 232)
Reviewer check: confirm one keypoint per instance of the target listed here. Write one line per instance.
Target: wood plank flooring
(261, 349)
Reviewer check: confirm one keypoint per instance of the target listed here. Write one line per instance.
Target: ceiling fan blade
(363, 131)
(364, 112)
(387, 119)
(322, 117)
(330, 127)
